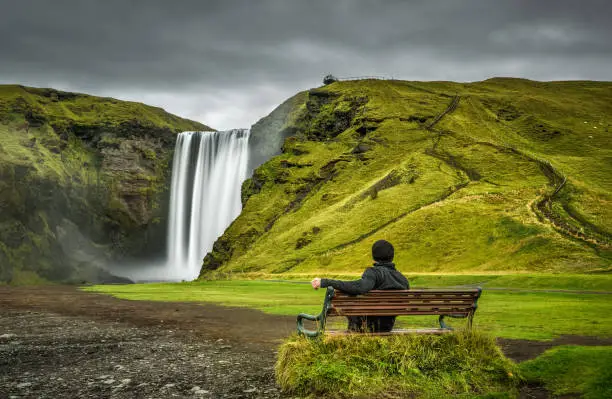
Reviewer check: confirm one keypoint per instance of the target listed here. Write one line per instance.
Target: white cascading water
(207, 175)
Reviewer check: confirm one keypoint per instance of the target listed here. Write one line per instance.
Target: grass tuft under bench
(399, 366)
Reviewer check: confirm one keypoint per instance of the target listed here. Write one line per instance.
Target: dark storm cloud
(228, 62)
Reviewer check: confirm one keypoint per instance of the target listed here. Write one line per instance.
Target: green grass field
(568, 370)
(510, 314)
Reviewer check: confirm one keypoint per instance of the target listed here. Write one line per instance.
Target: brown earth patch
(520, 350)
(248, 327)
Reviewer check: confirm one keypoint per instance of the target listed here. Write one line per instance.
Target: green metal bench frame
(328, 309)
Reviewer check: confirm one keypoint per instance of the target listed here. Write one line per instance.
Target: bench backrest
(456, 302)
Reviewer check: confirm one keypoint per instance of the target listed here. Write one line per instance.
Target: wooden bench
(457, 303)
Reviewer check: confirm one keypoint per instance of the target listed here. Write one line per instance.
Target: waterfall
(207, 175)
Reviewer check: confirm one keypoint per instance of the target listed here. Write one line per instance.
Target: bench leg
(442, 323)
(444, 326)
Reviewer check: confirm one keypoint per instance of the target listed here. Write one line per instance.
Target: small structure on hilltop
(328, 79)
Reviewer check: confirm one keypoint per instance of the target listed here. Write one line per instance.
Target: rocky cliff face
(269, 133)
(83, 182)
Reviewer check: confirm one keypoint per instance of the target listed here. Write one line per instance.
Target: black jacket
(383, 276)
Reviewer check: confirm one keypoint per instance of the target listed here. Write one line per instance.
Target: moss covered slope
(501, 175)
(83, 182)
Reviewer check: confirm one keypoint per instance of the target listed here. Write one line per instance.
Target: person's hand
(316, 283)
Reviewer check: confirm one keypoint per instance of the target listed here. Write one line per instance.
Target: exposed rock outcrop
(83, 182)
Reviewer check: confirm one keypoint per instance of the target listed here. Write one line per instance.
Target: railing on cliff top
(366, 77)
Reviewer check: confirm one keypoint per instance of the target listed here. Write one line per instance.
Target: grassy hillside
(83, 181)
(505, 175)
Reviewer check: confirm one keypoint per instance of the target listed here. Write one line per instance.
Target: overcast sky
(229, 62)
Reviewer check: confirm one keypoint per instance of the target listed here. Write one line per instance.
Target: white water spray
(208, 171)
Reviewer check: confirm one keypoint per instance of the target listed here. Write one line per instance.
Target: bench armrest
(321, 318)
(304, 331)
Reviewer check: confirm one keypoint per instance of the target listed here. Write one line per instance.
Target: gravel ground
(58, 342)
(47, 355)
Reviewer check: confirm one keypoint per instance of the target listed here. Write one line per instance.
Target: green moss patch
(578, 370)
(424, 366)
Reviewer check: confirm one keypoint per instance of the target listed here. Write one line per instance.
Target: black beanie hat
(382, 251)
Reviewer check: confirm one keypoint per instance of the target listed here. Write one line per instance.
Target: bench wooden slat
(410, 295)
(400, 302)
(404, 303)
(400, 308)
(413, 292)
(383, 312)
(394, 332)
(407, 297)
(401, 305)
(397, 312)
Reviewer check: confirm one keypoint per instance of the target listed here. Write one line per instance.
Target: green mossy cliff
(83, 182)
(504, 175)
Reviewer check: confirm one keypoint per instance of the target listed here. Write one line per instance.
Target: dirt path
(249, 328)
(61, 342)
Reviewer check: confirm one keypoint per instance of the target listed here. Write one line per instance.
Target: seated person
(382, 276)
